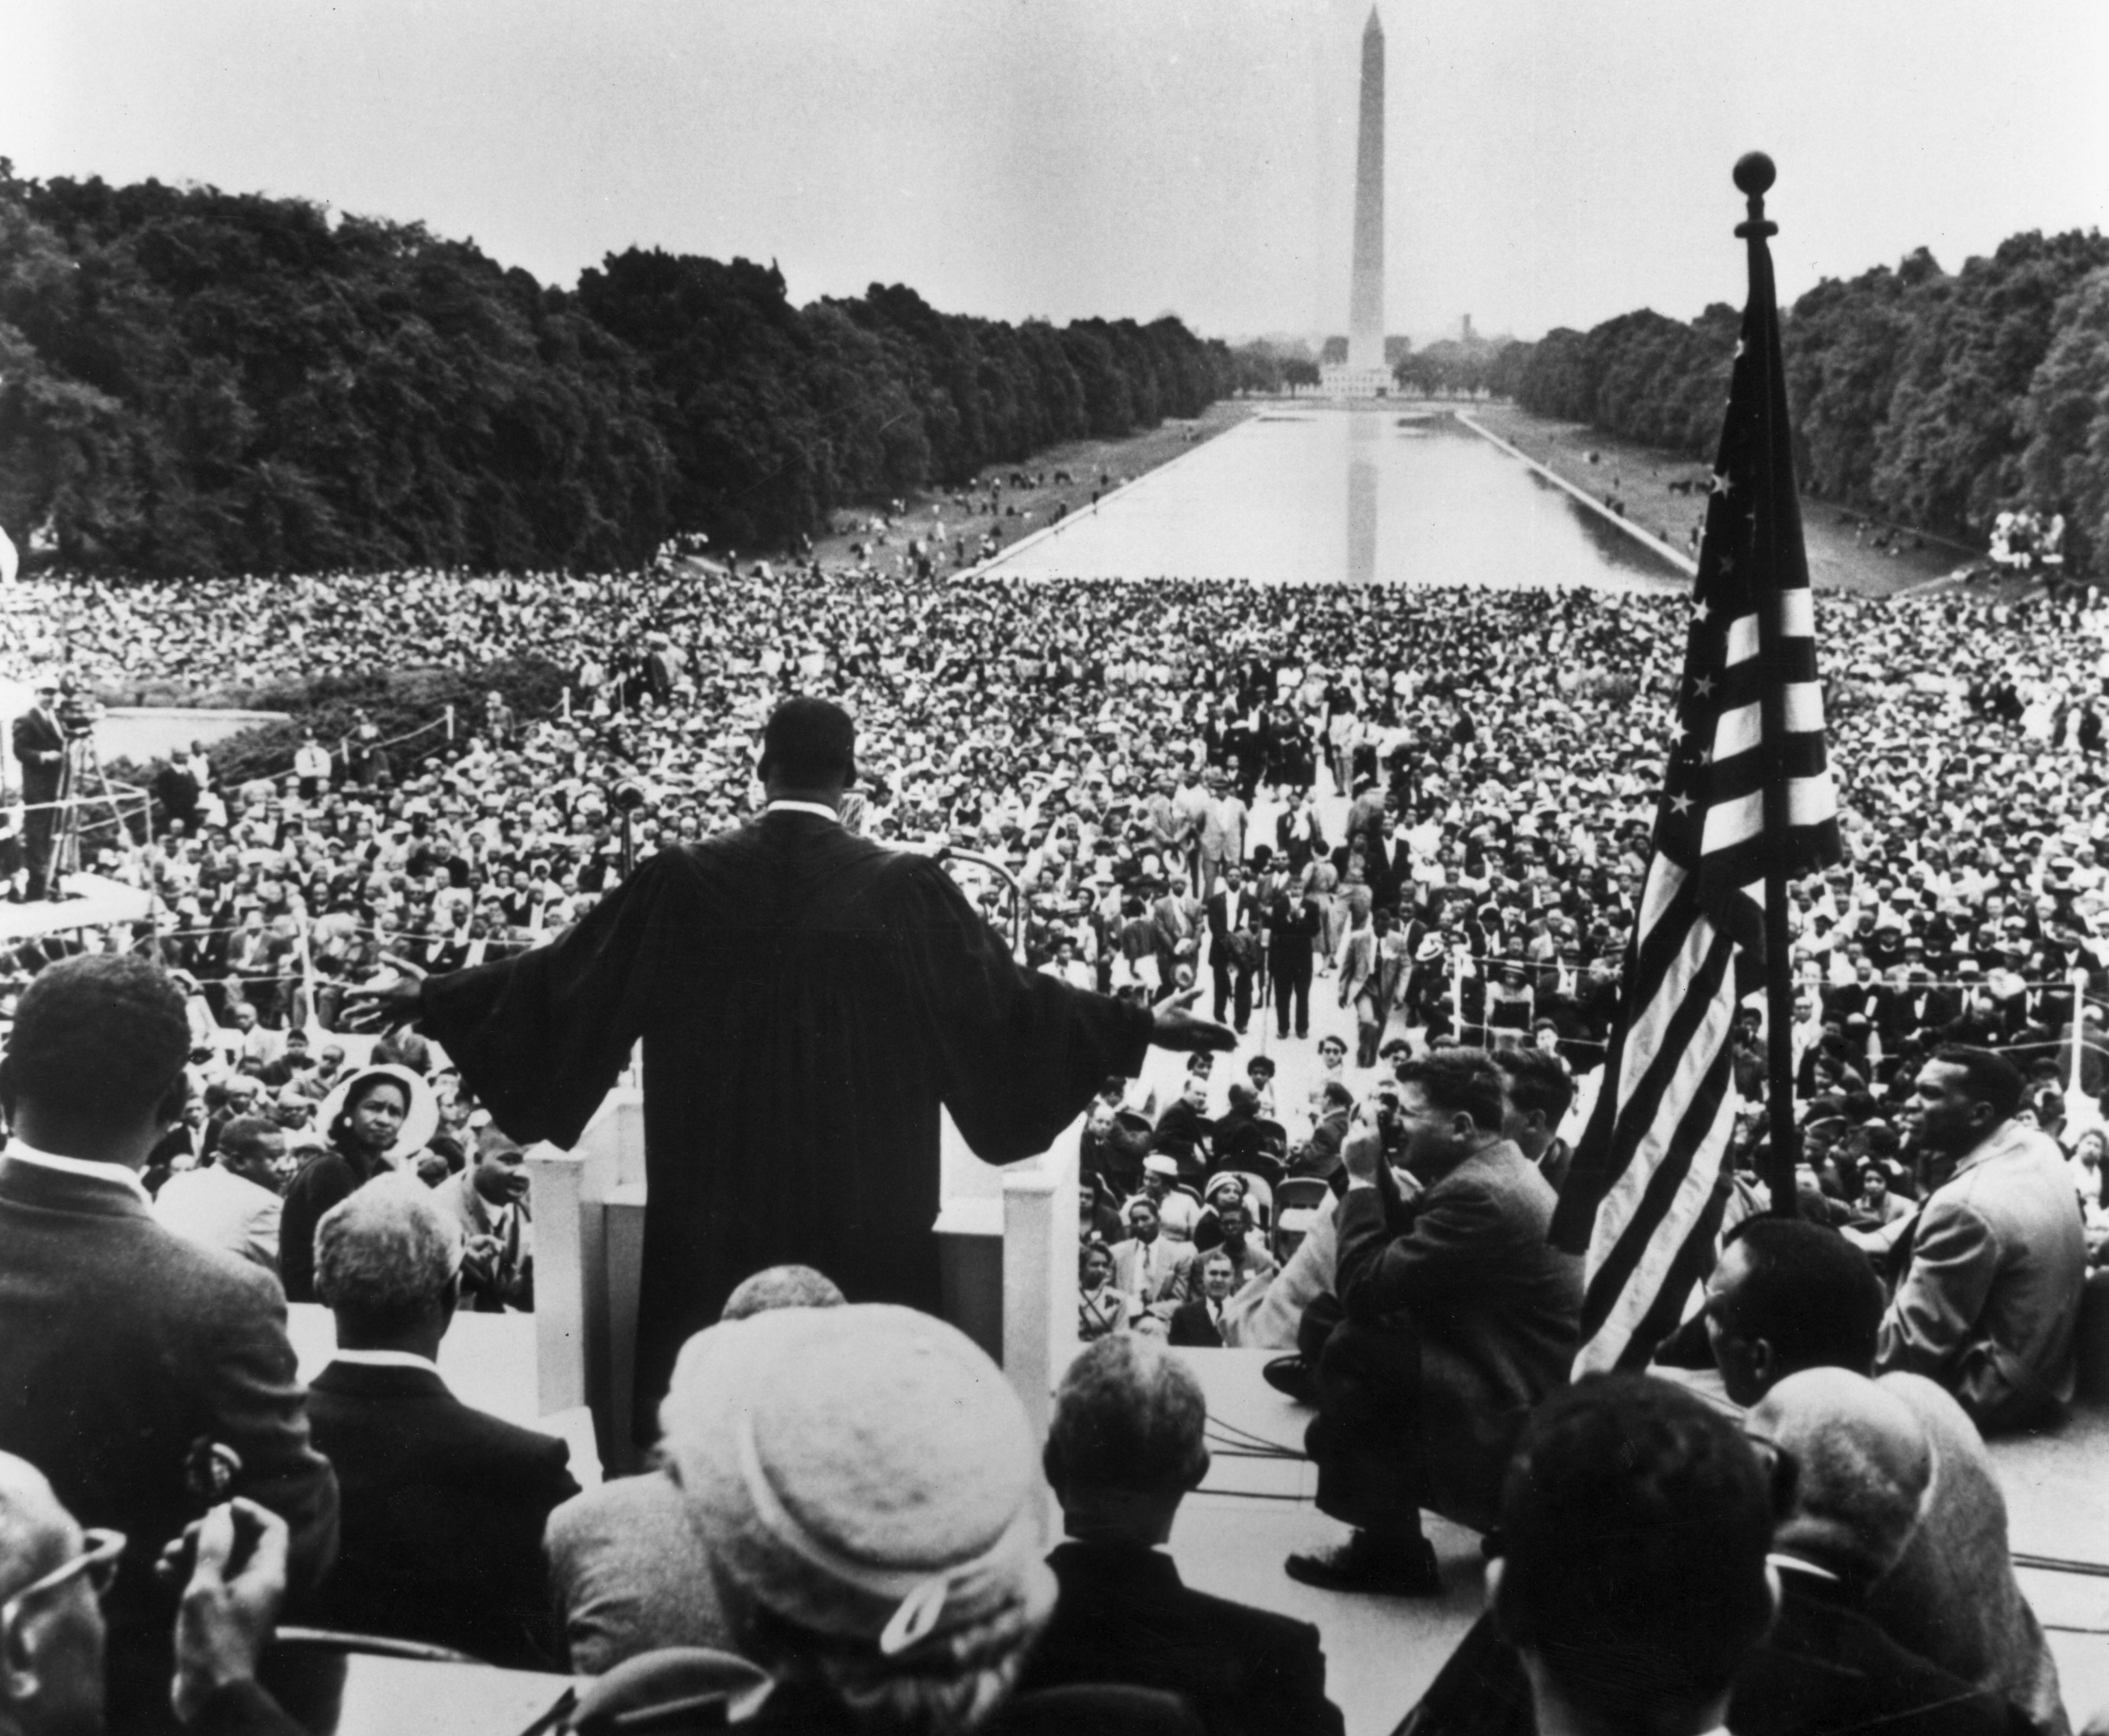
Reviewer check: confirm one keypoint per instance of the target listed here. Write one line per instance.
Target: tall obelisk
(1366, 300)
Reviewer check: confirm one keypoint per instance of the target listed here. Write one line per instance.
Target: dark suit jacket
(1190, 1326)
(443, 1510)
(1124, 1617)
(123, 1346)
(1467, 1270)
(37, 732)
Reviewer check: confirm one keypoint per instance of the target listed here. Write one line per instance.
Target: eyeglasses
(98, 1560)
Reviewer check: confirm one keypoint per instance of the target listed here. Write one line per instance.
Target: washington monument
(1366, 302)
(1364, 374)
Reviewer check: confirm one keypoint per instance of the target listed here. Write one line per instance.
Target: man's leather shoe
(1360, 1564)
(1293, 1376)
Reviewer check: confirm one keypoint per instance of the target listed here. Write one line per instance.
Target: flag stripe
(1645, 1192)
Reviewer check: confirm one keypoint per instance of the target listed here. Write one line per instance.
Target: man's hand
(1362, 1151)
(225, 1620)
(384, 1005)
(1178, 1026)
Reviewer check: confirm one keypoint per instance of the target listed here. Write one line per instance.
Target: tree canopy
(195, 381)
(1934, 399)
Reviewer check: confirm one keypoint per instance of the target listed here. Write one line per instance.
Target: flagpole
(1753, 176)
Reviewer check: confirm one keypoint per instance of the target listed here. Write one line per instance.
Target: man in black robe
(807, 1001)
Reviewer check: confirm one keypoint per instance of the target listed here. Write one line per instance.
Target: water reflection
(1424, 502)
(1362, 500)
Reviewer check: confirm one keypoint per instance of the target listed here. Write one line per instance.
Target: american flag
(1641, 1199)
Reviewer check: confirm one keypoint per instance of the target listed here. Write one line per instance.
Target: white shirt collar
(115, 1173)
(389, 1360)
(821, 809)
(1795, 1564)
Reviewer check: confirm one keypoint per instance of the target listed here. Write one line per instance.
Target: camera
(78, 714)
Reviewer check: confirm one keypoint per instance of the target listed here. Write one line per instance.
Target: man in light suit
(444, 1506)
(1154, 1273)
(1988, 1304)
(231, 1204)
(39, 746)
(147, 1377)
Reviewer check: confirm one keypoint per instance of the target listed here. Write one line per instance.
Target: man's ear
(20, 1675)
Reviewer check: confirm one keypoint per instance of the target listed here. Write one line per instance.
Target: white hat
(420, 1119)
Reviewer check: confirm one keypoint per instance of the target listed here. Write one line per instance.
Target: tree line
(1927, 398)
(195, 382)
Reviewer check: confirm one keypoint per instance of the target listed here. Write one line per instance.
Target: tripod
(79, 769)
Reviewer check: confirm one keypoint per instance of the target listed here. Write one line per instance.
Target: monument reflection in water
(1332, 496)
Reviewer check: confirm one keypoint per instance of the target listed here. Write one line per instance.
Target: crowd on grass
(1426, 809)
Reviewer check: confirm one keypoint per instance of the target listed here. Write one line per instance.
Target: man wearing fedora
(39, 746)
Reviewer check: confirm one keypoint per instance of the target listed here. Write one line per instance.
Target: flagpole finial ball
(1755, 174)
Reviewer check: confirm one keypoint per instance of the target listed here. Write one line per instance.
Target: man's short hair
(101, 1037)
(809, 742)
(385, 1254)
(1128, 1415)
(1634, 1526)
(246, 1133)
(1987, 1078)
(1536, 1081)
(1807, 1291)
(1337, 1096)
(1460, 1081)
(782, 1287)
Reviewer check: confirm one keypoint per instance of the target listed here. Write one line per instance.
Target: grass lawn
(1030, 508)
(1838, 559)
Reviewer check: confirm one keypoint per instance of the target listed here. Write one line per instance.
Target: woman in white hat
(377, 1115)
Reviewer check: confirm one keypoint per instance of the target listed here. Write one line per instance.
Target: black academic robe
(807, 1000)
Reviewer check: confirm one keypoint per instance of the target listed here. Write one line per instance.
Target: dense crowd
(1426, 811)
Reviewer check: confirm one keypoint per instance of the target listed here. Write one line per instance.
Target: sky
(1549, 162)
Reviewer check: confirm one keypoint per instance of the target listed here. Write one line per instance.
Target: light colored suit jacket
(216, 1208)
(1157, 1276)
(1989, 1302)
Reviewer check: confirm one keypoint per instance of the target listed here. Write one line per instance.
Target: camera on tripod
(78, 715)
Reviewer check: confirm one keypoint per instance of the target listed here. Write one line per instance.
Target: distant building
(1365, 374)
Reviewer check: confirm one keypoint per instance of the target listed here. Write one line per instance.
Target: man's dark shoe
(1396, 1570)
(1293, 1376)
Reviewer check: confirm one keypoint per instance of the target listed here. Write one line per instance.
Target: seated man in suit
(1456, 1318)
(1153, 1271)
(1645, 1585)
(147, 1377)
(1989, 1302)
(1125, 1446)
(1198, 1324)
(444, 1506)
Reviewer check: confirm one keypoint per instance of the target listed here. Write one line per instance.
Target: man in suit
(1458, 1320)
(1198, 1324)
(39, 746)
(1125, 1446)
(232, 1204)
(1988, 1304)
(1227, 908)
(147, 1377)
(1175, 924)
(1152, 1270)
(444, 1506)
